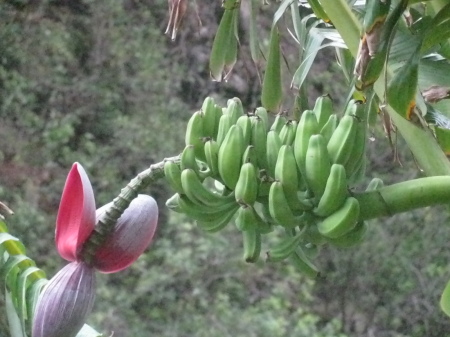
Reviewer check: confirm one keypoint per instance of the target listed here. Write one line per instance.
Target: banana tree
(394, 55)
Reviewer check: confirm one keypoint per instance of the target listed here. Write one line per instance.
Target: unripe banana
(301, 262)
(199, 193)
(234, 109)
(210, 118)
(335, 193)
(279, 207)
(246, 189)
(172, 172)
(278, 123)
(272, 149)
(311, 250)
(307, 127)
(224, 126)
(375, 184)
(317, 166)
(259, 141)
(284, 248)
(313, 236)
(352, 238)
(212, 156)
(218, 112)
(360, 171)
(249, 155)
(246, 125)
(323, 109)
(194, 134)
(246, 218)
(342, 221)
(287, 132)
(230, 156)
(286, 173)
(220, 222)
(342, 141)
(262, 113)
(188, 160)
(329, 127)
(358, 154)
(182, 204)
(252, 245)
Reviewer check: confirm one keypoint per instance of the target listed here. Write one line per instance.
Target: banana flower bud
(77, 217)
(65, 302)
(68, 297)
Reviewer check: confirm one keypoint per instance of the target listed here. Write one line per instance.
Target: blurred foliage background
(98, 82)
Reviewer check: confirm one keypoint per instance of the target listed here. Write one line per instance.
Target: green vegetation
(98, 83)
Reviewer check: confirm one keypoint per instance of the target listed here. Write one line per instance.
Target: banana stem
(107, 222)
(404, 196)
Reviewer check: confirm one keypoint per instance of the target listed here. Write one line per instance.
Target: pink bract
(132, 234)
(76, 215)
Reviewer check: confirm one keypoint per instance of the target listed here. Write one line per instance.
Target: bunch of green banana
(291, 174)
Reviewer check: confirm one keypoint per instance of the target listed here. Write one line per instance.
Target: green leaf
(15, 328)
(445, 300)
(438, 30)
(12, 244)
(402, 89)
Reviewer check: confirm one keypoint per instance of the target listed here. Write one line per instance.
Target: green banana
(259, 140)
(286, 173)
(352, 238)
(278, 123)
(335, 193)
(279, 207)
(359, 148)
(272, 148)
(252, 245)
(172, 172)
(287, 132)
(182, 204)
(246, 189)
(224, 126)
(246, 125)
(342, 140)
(199, 193)
(234, 109)
(284, 248)
(212, 156)
(302, 263)
(307, 127)
(323, 109)
(249, 156)
(329, 127)
(311, 250)
(317, 166)
(195, 136)
(210, 118)
(246, 218)
(230, 156)
(188, 159)
(375, 184)
(262, 113)
(342, 221)
(219, 223)
(313, 236)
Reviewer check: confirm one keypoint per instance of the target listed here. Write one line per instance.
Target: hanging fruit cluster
(289, 175)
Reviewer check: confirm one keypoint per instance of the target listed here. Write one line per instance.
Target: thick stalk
(404, 196)
(106, 223)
